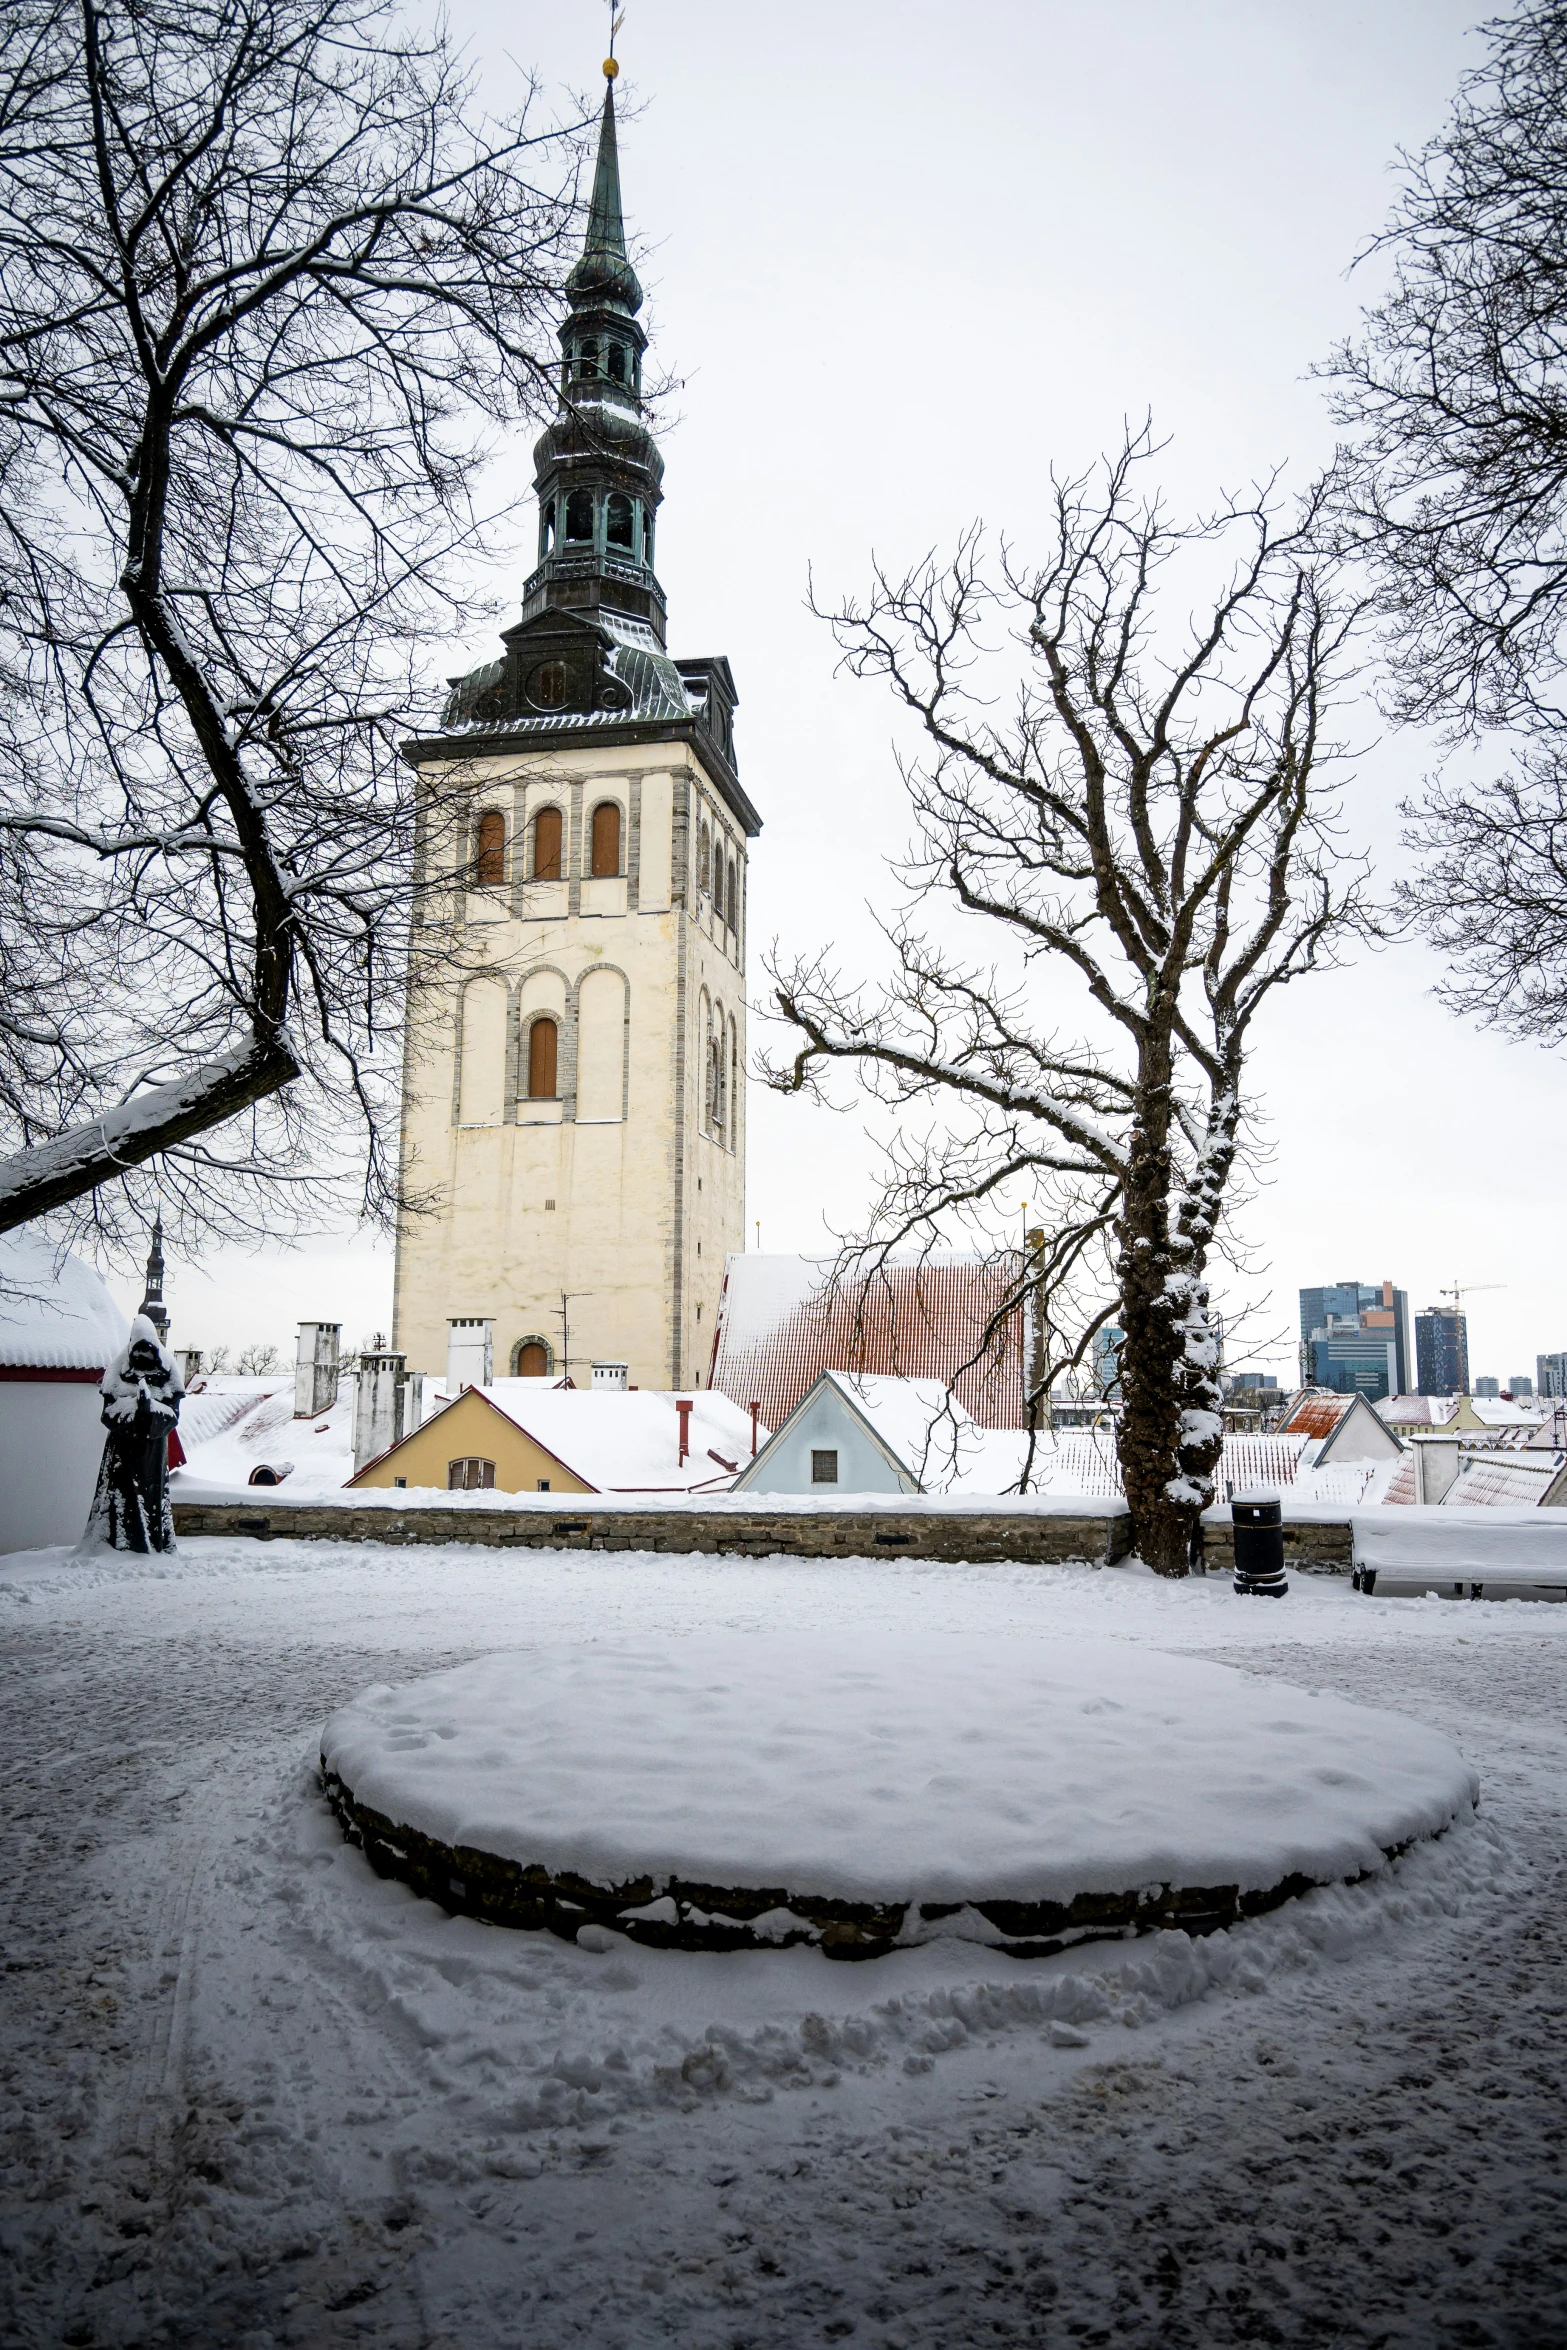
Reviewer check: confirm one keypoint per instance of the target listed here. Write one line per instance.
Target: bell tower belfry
(574, 1079)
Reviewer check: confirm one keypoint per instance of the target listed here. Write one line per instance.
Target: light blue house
(855, 1435)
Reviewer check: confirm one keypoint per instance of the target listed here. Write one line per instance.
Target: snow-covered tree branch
(1452, 484)
(1146, 837)
(268, 278)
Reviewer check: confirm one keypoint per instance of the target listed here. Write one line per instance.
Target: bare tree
(1453, 485)
(1147, 834)
(1454, 480)
(268, 277)
(1491, 891)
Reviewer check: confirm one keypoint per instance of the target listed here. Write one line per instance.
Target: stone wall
(1311, 1547)
(759, 1533)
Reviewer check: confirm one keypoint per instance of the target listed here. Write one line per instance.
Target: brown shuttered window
(489, 865)
(470, 1476)
(542, 1039)
(546, 845)
(732, 910)
(606, 840)
(532, 1361)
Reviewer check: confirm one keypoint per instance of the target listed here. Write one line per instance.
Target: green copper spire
(604, 274)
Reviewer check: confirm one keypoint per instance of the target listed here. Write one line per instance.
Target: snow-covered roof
(55, 1312)
(627, 1442)
(1491, 1480)
(781, 1325)
(917, 1419)
(1499, 1411)
(1419, 1411)
(230, 1424)
(1314, 1411)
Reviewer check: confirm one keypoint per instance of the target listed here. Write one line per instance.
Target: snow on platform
(870, 1792)
(1411, 1551)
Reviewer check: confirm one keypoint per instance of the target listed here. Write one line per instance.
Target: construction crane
(1468, 1289)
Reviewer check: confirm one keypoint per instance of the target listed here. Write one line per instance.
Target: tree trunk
(1164, 1503)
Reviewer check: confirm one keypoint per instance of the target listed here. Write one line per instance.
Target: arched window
(734, 1085)
(732, 910)
(604, 859)
(543, 1041)
(470, 1476)
(489, 862)
(546, 526)
(620, 521)
(588, 355)
(647, 534)
(704, 861)
(713, 1105)
(617, 363)
(547, 686)
(546, 845)
(579, 516)
(532, 1358)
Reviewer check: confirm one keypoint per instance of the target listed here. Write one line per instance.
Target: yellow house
(473, 1445)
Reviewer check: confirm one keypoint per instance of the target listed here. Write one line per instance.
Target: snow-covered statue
(142, 1392)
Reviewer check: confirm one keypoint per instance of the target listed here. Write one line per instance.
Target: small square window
(401, 1483)
(544, 1484)
(824, 1468)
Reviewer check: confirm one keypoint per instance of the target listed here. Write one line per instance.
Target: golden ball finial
(611, 68)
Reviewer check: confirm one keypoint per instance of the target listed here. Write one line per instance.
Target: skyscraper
(1442, 1352)
(1550, 1374)
(1355, 1338)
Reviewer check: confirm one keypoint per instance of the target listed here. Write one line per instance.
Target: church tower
(573, 1094)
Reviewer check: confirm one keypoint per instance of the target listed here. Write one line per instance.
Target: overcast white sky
(904, 257)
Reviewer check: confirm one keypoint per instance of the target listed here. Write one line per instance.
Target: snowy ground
(265, 2098)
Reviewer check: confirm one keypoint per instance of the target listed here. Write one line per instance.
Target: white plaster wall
(51, 1441)
(822, 1421)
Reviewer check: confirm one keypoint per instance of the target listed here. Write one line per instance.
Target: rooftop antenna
(568, 1298)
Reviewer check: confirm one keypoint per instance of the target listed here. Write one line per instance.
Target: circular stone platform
(734, 1791)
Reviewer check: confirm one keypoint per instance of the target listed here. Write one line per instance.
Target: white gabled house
(853, 1434)
(59, 1331)
(1341, 1428)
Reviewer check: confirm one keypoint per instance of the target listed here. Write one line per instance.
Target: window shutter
(490, 861)
(605, 861)
(546, 845)
(543, 1038)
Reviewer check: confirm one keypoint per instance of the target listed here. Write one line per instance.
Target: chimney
(683, 1407)
(470, 1353)
(755, 1411)
(378, 1406)
(316, 1368)
(610, 1378)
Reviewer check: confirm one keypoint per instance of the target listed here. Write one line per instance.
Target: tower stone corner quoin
(573, 1096)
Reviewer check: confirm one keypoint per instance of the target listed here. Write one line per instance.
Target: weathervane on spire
(617, 17)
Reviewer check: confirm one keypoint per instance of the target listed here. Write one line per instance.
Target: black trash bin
(1259, 1546)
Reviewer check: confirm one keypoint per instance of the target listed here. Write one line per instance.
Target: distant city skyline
(1355, 1338)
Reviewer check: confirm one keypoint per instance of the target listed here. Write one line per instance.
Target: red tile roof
(1314, 1412)
(780, 1326)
